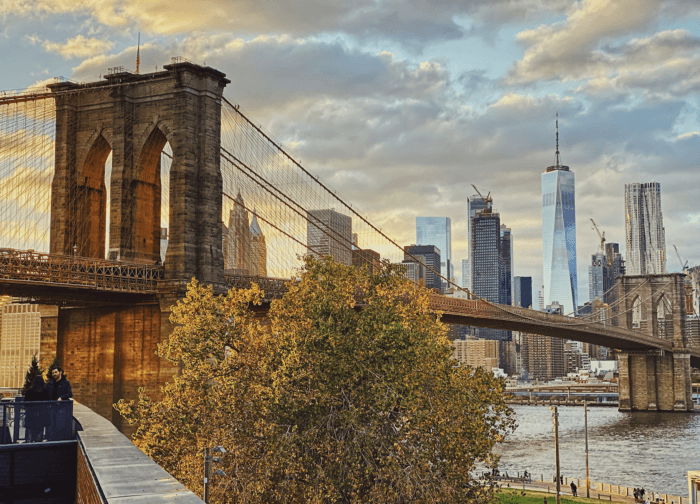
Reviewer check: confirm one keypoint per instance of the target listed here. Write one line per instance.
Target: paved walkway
(539, 486)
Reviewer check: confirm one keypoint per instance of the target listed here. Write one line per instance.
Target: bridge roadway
(53, 278)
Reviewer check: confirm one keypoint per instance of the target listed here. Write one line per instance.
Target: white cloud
(78, 47)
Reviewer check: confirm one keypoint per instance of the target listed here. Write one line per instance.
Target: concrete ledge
(123, 472)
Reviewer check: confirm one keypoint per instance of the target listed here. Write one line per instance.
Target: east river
(653, 450)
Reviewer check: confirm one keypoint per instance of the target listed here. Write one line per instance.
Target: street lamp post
(208, 459)
(585, 424)
(555, 418)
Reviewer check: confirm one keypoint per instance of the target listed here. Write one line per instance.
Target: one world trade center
(559, 234)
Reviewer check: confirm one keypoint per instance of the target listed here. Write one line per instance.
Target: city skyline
(468, 97)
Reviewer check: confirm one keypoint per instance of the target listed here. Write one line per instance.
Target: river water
(653, 450)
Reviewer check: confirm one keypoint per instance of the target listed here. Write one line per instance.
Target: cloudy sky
(401, 105)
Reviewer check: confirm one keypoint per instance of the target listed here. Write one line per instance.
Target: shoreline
(560, 403)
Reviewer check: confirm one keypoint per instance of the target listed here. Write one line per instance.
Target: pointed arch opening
(637, 313)
(150, 209)
(664, 318)
(91, 202)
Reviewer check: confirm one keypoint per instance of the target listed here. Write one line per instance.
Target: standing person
(59, 387)
(37, 415)
(60, 390)
(573, 489)
(641, 493)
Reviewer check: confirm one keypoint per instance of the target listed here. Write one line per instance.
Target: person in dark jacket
(60, 390)
(59, 387)
(573, 488)
(37, 415)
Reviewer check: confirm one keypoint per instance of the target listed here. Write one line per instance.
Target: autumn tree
(349, 395)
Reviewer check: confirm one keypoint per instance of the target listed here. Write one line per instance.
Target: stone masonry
(108, 352)
(654, 380)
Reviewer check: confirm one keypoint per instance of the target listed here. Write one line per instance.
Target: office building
(484, 252)
(437, 231)
(429, 256)
(477, 353)
(366, 257)
(542, 356)
(644, 229)
(540, 299)
(505, 287)
(236, 238)
(329, 233)
(414, 271)
(559, 234)
(598, 276)
(19, 341)
(258, 249)
(244, 247)
(522, 291)
(465, 273)
(490, 258)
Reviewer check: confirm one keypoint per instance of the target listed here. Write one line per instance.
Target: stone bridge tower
(654, 380)
(108, 350)
(132, 117)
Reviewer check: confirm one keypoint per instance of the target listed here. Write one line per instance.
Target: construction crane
(487, 200)
(488, 196)
(684, 267)
(601, 235)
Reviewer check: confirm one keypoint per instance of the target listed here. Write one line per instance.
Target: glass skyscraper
(490, 258)
(465, 273)
(644, 227)
(559, 235)
(437, 231)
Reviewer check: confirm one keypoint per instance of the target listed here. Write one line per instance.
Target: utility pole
(207, 473)
(585, 424)
(555, 418)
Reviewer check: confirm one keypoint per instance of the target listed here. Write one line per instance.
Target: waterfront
(653, 450)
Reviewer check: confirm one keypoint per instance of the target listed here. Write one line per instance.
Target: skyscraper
(465, 273)
(437, 231)
(429, 256)
(644, 229)
(258, 249)
(236, 238)
(490, 258)
(484, 252)
(330, 233)
(559, 234)
(522, 291)
(597, 276)
(505, 281)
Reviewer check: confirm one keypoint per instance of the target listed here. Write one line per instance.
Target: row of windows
(550, 198)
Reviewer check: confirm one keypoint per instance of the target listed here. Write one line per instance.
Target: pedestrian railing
(36, 421)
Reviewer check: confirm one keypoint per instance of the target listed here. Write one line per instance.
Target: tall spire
(138, 55)
(557, 161)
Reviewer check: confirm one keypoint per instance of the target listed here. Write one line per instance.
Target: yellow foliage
(348, 396)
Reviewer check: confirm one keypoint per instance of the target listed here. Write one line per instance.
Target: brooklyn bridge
(98, 177)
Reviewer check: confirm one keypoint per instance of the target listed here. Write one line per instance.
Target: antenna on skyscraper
(557, 162)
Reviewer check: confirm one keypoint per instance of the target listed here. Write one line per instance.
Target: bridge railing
(82, 272)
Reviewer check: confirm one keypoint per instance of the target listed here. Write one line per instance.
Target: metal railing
(35, 421)
(27, 266)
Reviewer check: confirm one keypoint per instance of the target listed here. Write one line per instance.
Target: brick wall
(108, 353)
(86, 491)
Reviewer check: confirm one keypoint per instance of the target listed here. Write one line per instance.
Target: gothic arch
(91, 200)
(638, 313)
(145, 197)
(662, 312)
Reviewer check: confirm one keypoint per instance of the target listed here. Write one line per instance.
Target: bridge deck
(52, 277)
